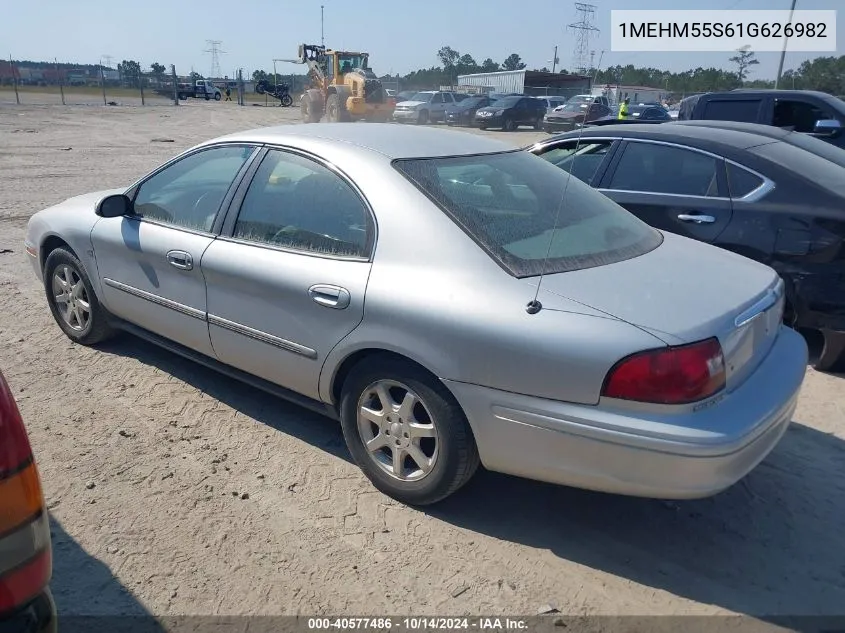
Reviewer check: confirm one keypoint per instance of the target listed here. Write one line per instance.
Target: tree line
(826, 74)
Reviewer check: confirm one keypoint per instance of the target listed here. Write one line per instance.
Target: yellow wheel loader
(343, 87)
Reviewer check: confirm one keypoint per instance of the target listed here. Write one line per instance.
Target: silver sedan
(450, 300)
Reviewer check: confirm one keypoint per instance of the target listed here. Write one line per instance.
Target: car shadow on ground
(770, 546)
(87, 594)
(274, 412)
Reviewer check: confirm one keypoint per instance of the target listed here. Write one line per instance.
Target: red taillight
(25, 559)
(14, 444)
(670, 375)
(26, 582)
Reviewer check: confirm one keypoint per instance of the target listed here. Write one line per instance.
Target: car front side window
(188, 193)
(296, 203)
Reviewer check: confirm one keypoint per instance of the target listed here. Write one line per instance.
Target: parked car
(424, 107)
(508, 113)
(638, 114)
(808, 112)
(256, 254)
(26, 604)
(463, 113)
(574, 115)
(737, 186)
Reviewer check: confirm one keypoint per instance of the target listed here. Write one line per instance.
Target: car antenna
(534, 306)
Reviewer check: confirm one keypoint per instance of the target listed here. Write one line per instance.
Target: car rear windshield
(524, 211)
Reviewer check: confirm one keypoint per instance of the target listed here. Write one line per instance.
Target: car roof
(676, 131)
(798, 139)
(392, 141)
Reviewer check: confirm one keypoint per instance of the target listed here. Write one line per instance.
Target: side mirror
(114, 206)
(827, 127)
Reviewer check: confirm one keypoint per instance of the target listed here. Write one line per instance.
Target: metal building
(530, 82)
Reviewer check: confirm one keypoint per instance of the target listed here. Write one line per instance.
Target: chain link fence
(125, 84)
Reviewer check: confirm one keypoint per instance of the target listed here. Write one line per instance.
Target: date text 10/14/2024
(420, 623)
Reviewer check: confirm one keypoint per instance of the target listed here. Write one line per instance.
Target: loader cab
(345, 62)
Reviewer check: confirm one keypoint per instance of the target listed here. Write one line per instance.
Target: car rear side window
(741, 182)
(658, 168)
(744, 110)
(296, 203)
(524, 211)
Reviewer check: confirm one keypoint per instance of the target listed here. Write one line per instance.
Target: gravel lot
(174, 491)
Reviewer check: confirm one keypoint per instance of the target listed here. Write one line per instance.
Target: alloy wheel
(398, 430)
(71, 298)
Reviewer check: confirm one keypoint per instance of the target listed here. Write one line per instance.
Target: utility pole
(785, 43)
(596, 70)
(322, 27)
(554, 60)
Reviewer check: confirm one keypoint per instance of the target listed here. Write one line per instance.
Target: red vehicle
(26, 604)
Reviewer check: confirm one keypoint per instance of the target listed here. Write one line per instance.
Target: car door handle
(698, 219)
(180, 259)
(330, 296)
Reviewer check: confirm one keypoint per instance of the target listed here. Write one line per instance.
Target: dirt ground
(175, 491)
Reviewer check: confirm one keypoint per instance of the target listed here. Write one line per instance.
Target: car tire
(832, 357)
(445, 437)
(422, 119)
(508, 125)
(64, 276)
(286, 101)
(538, 124)
(217, 96)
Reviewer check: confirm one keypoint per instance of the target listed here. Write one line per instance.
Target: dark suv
(509, 113)
(809, 112)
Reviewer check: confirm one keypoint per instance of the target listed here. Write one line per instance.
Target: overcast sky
(400, 35)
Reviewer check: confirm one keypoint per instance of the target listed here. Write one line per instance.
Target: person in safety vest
(623, 109)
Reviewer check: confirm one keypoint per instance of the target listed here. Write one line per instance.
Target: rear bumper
(39, 616)
(646, 454)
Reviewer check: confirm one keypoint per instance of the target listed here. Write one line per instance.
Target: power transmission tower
(107, 60)
(583, 28)
(214, 49)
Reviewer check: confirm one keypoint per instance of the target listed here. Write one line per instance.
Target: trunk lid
(686, 291)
